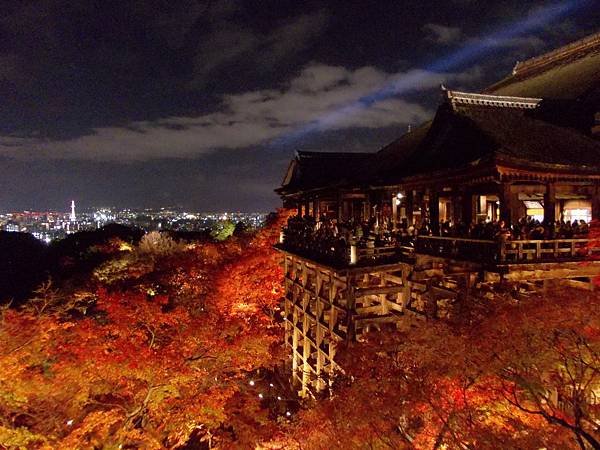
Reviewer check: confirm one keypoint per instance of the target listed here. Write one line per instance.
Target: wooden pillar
(456, 208)
(350, 308)
(420, 200)
(596, 202)
(468, 207)
(317, 208)
(305, 298)
(300, 209)
(550, 203)
(434, 212)
(319, 330)
(346, 209)
(410, 205)
(507, 205)
(406, 270)
(394, 212)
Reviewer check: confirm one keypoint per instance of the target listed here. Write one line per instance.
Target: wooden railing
(477, 250)
(548, 250)
(522, 251)
(350, 255)
(339, 253)
(389, 253)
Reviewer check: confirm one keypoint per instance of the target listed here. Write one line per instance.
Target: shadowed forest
(119, 340)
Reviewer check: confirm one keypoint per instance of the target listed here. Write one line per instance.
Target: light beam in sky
(456, 59)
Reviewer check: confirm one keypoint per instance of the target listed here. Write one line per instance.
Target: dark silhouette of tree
(21, 265)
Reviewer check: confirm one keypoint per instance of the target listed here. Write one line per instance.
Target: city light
(48, 226)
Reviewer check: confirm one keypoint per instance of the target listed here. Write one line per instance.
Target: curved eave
(476, 172)
(511, 168)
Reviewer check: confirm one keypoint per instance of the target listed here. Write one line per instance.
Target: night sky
(201, 103)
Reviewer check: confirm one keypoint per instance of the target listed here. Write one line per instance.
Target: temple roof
(458, 98)
(392, 160)
(469, 130)
(569, 72)
(539, 118)
(312, 170)
(476, 134)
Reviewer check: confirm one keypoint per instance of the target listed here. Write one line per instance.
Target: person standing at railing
(537, 232)
(583, 228)
(567, 230)
(445, 228)
(425, 229)
(503, 233)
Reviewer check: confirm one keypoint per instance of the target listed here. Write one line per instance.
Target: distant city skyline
(50, 225)
(67, 210)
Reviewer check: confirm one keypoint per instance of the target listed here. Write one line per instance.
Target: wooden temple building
(379, 236)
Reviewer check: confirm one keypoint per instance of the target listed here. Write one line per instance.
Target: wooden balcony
(351, 255)
(342, 250)
(509, 252)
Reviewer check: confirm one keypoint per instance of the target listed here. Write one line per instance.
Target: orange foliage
(253, 284)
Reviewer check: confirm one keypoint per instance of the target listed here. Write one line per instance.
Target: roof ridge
(309, 153)
(503, 101)
(583, 45)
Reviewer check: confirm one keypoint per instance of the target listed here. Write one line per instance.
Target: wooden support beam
(394, 213)
(406, 291)
(468, 207)
(375, 309)
(550, 203)
(350, 307)
(383, 297)
(410, 207)
(507, 203)
(456, 208)
(596, 202)
(434, 212)
(376, 290)
(392, 316)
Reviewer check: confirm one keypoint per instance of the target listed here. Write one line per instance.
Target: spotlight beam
(454, 60)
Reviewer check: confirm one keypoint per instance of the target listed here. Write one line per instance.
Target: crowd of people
(329, 239)
(526, 228)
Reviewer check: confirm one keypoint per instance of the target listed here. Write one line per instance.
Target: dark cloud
(233, 49)
(320, 96)
(442, 34)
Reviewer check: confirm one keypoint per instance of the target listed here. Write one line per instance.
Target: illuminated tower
(73, 217)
